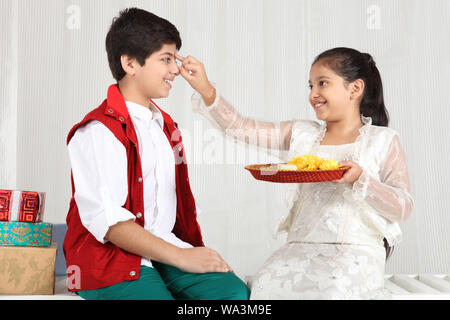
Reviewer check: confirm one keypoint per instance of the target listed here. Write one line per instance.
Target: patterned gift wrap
(27, 270)
(23, 206)
(25, 234)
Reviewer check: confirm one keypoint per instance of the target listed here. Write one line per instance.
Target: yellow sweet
(310, 162)
(307, 162)
(329, 164)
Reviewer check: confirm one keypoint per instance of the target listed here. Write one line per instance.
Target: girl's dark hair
(137, 33)
(350, 64)
(389, 249)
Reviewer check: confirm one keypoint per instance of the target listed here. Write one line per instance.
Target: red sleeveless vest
(99, 265)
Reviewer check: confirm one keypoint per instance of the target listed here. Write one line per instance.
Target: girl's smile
(317, 105)
(330, 95)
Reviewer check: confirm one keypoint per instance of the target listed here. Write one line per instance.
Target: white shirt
(99, 168)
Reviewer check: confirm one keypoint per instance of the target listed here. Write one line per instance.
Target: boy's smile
(153, 79)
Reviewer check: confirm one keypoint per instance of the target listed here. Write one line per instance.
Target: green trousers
(164, 282)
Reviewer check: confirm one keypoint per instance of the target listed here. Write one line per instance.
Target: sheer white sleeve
(391, 195)
(270, 135)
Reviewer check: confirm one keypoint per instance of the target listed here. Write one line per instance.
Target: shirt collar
(145, 113)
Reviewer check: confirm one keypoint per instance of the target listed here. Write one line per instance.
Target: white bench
(61, 293)
(412, 286)
(402, 287)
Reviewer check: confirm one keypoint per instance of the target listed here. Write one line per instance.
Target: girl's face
(330, 95)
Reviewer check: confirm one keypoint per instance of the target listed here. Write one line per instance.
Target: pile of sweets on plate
(309, 162)
(27, 254)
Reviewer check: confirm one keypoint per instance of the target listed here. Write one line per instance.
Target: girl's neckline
(336, 145)
(367, 122)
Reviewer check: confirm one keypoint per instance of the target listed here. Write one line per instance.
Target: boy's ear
(128, 64)
(357, 89)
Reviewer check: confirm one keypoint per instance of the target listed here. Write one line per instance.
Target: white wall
(54, 70)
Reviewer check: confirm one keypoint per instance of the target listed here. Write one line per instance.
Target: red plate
(290, 176)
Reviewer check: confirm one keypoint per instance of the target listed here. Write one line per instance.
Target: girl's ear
(357, 89)
(128, 64)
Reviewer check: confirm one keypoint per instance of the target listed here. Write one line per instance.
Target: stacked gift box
(27, 254)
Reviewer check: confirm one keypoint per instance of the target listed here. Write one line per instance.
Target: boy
(132, 228)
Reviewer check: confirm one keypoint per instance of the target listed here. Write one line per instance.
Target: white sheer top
(362, 213)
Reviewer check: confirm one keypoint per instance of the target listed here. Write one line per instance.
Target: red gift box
(23, 206)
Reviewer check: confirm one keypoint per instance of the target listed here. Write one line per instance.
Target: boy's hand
(194, 72)
(351, 175)
(201, 260)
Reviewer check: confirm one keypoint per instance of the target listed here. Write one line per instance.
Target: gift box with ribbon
(23, 206)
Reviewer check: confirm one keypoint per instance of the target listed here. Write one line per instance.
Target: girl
(336, 230)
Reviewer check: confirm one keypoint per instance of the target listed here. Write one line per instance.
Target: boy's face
(154, 78)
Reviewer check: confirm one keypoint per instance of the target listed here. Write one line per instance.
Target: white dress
(335, 247)
(320, 266)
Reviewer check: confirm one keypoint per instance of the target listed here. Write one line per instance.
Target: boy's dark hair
(351, 64)
(137, 33)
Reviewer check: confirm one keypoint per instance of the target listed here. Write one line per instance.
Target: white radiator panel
(418, 286)
(411, 286)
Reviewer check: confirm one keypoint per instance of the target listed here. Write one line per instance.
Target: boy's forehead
(169, 49)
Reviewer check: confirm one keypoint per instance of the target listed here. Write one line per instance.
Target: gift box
(24, 206)
(27, 270)
(13, 233)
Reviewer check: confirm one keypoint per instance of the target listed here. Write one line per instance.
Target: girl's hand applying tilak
(351, 175)
(193, 71)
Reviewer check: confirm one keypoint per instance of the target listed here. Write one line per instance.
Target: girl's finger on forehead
(178, 57)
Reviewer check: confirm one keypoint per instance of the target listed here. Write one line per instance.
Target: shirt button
(138, 215)
(121, 119)
(132, 273)
(110, 110)
(140, 179)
